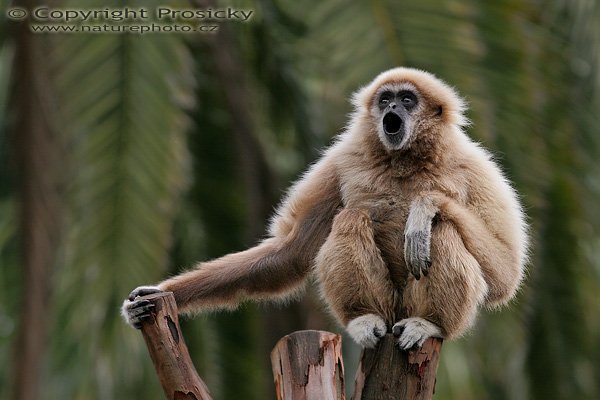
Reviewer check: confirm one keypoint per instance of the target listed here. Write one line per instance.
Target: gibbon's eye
(408, 99)
(385, 99)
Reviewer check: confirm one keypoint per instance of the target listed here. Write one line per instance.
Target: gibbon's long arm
(275, 267)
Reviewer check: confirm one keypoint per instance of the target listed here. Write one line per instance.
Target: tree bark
(168, 351)
(387, 373)
(307, 365)
(39, 164)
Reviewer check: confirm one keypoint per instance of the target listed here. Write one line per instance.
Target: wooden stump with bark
(307, 365)
(168, 351)
(388, 373)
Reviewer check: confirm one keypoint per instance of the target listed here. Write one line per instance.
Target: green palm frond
(124, 99)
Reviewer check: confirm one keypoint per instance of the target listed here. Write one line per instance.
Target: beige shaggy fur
(372, 216)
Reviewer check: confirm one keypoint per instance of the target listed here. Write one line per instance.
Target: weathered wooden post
(307, 365)
(168, 351)
(388, 373)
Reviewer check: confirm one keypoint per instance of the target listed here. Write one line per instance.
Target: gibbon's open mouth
(392, 123)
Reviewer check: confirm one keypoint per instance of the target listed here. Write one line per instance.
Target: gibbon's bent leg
(496, 258)
(445, 303)
(354, 279)
(275, 268)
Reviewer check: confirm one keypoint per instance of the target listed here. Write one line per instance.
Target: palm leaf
(124, 100)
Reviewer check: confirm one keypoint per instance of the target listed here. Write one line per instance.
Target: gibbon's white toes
(414, 331)
(367, 329)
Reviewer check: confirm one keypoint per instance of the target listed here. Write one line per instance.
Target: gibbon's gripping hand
(135, 311)
(417, 236)
(366, 330)
(414, 331)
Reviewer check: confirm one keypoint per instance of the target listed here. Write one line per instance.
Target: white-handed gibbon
(406, 223)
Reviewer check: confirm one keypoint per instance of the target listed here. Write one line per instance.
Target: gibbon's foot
(366, 330)
(417, 252)
(135, 311)
(414, 331)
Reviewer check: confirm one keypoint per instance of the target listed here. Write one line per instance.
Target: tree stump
(307, 365)
(169, 353)
(388, 373)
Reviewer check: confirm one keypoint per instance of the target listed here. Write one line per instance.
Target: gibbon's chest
(387, 198)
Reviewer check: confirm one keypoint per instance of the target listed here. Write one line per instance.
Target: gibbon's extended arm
(497, 257)
(272, 269)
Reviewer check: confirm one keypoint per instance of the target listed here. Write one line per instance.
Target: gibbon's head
(405, 105)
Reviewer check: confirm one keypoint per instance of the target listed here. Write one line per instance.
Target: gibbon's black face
(396, 108)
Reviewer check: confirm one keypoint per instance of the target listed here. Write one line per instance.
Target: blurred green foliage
(157, 179)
